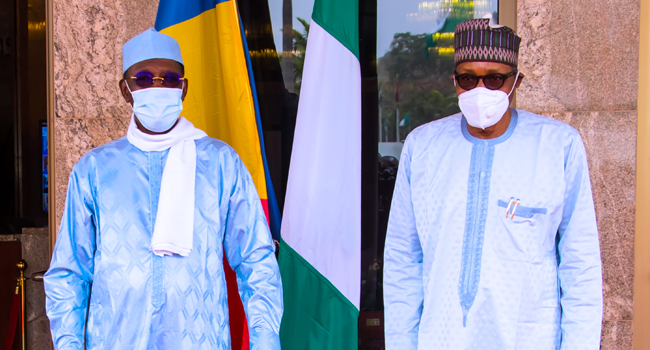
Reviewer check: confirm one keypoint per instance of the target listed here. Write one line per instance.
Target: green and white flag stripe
(320, 253)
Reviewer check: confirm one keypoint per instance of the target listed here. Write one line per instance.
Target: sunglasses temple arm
(514, 84)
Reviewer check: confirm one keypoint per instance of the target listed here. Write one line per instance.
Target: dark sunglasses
(492, 81)
(145, 79)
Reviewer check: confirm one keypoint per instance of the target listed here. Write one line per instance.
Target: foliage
(426, 91)
(299, 48)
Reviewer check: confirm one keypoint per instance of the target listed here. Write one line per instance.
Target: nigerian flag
(320, 253)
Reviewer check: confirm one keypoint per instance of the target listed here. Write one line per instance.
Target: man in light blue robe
(492, 240)
(138, 262)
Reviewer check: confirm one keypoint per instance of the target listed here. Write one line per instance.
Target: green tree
(426, 90)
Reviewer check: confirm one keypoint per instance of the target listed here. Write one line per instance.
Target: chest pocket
(518, 238)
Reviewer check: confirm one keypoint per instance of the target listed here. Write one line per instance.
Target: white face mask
(483, 107)
(157, 109)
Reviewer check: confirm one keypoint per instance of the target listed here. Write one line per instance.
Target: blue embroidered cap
(148, 45)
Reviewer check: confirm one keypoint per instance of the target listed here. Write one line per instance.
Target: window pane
(415, 61)
(276, 34)
(290, 20)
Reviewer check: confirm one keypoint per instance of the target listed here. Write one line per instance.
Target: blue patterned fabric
(528, 281)
(102, 268)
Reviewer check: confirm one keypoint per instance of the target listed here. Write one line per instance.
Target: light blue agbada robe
(102, 266)
(452, 256)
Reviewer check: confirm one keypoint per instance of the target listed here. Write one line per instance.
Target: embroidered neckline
(478, 193)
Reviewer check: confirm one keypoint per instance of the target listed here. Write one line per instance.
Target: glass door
(414, 63)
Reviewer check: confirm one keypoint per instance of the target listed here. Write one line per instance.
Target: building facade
(581, 62)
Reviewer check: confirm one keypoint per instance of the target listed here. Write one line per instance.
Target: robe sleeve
(578, 247)
(403, 288)
(70, 276)
(251, 254)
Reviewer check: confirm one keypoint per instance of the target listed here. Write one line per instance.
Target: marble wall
(581, 65)
(89, 110)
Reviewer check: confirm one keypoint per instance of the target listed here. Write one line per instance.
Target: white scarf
(173, 232)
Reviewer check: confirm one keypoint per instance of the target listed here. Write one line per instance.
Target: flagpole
(380, 121)
(396, 108)
(396, 123)
(380, 125)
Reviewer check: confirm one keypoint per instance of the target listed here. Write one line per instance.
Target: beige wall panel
(89, 110)
(617, 335)
(88, 36)
(578, 55)
(582, 57)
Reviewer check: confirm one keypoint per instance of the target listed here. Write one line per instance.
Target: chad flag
(222, 102)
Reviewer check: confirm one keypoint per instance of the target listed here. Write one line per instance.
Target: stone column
(89, 110)
(35, 251)
(34, 242)
(580, 59)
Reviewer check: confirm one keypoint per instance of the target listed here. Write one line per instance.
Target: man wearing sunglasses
(138, 262)
(492, 240)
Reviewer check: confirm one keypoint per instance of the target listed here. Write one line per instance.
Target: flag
(405, 120)
(222, 102)
(320, 251)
